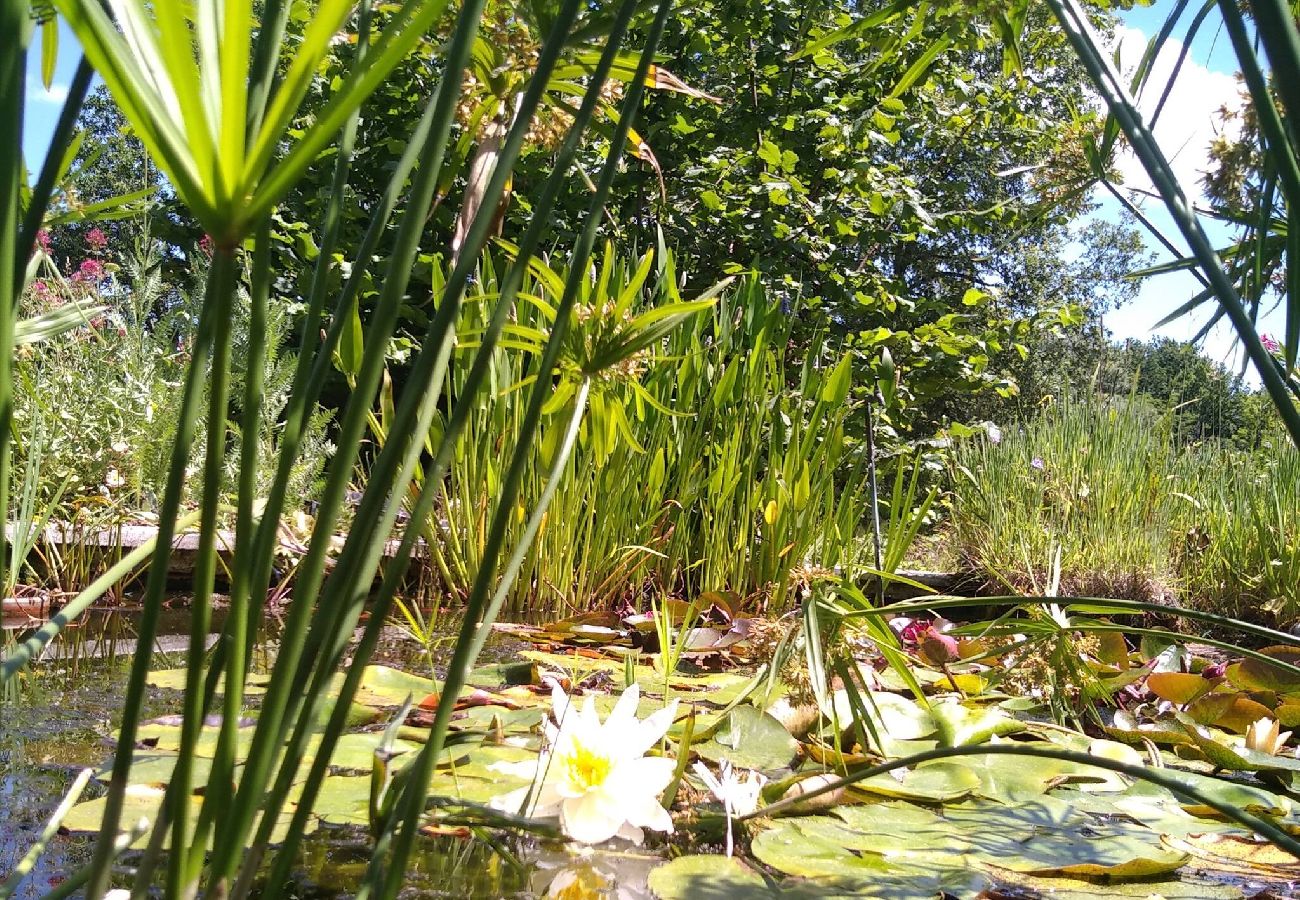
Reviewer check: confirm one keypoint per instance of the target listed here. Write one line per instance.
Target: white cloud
(1189, 121)
(36, 92)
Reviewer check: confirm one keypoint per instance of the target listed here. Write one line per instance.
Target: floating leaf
(751, 739)
(1256, 675)
(1178, 687)
(688, 877)
(959, 725)
(939, 782)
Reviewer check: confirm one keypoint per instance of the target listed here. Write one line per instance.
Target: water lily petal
(559, 701)
(592, 818)
(631, 833)
(647, 812)
(511, 802)
(646, 776)
(588, 718)
(623, 716)
(652, 729)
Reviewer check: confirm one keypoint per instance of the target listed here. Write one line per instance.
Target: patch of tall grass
(715, 460)
(1241, 557)
(1102, 490)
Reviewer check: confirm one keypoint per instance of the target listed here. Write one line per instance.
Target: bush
(96, 410)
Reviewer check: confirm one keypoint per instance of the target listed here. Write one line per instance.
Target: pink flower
(205, 245)
(43, 238)
(90, 272)
(96, 240)
(1270, 343)
(40, 288)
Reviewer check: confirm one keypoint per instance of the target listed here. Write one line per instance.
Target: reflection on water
(58, 717)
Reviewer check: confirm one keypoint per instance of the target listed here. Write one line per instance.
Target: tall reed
(712, 462)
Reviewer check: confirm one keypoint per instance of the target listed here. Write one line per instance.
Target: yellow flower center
(587, 768)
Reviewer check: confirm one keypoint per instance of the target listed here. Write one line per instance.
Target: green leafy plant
(203, 96)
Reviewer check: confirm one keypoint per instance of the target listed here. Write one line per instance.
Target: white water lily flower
(1265, 735)
(595, 776)
(738, 795)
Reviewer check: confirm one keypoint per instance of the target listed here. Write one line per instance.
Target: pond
(59, 721)
(983, 825)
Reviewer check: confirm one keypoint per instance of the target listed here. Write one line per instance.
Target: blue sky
(1185, 128)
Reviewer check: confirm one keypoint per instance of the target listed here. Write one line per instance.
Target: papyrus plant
(205, 87)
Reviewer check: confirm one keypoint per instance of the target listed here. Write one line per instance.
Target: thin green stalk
(433, 478)
(16, 28)
(34, 853)
(240, 629)
(187, 425)
(313, 363)
(1090, 604)
(182, 869)
(1257, 824)
(282, 696)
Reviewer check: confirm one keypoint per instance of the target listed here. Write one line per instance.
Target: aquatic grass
(752, 482)
(1096, 482)
(1241, 553)
(1102, 484)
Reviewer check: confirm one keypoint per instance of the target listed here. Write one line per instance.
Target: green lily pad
(959, 724)
(1040, 838)
(941, 782)
(174, 679)
(751, 739)
(144, 802)
(1071, 889)
(383, 686)
(688, 877)
(893, 716)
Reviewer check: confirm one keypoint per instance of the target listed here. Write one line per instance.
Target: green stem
(411, 803)
(16, 32)
(187, 425)
(34, 853)
(183, 867)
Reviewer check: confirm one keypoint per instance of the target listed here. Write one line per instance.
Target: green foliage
(1105, 493)
(1242, 554)
(716, 460)
(1090, 482)
(99, 406)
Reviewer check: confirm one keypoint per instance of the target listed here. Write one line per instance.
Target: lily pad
(1178, 687)
(751, 739)
(688, 877)
(940, 782)
(1256, 675)
(959, 724)
(1041, 837)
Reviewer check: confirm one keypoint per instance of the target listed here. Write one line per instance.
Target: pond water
(58, 720)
